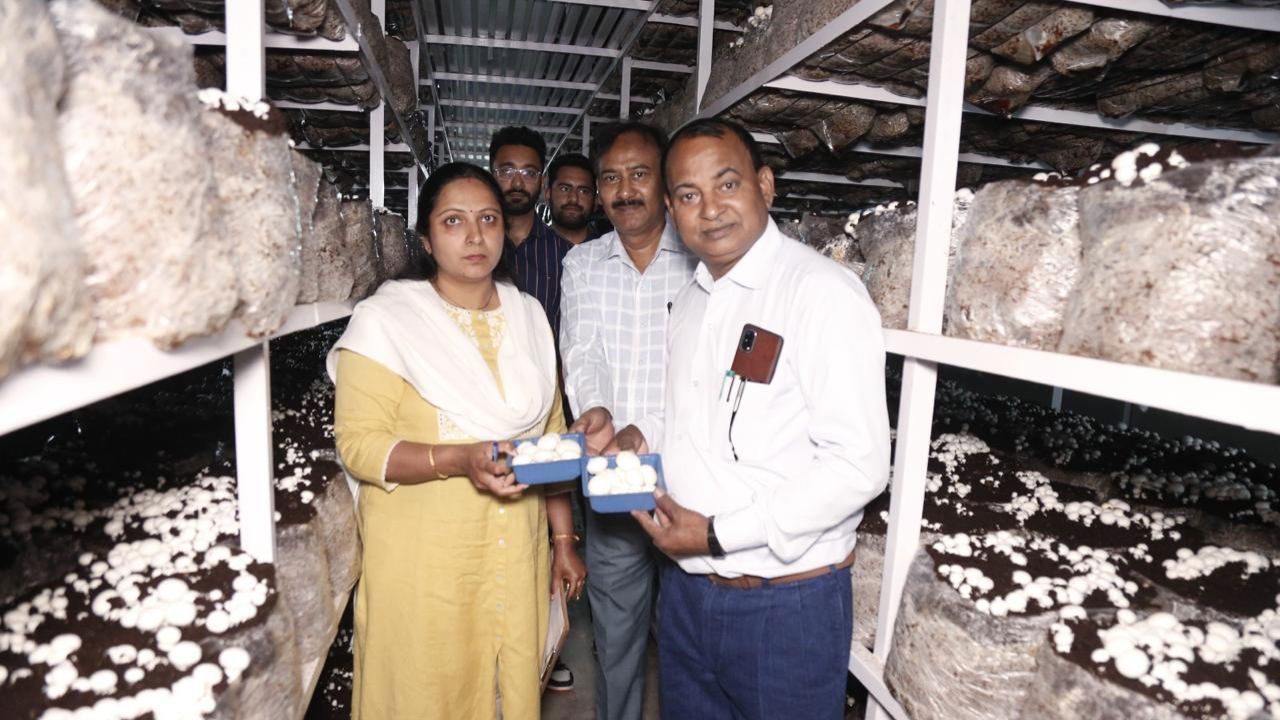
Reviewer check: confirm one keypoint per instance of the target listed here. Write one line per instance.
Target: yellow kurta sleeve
(366, 403)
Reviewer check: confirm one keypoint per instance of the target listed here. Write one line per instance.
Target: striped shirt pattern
(537, 262)
(613, 338)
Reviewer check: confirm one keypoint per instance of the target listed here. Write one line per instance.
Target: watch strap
(713, 543)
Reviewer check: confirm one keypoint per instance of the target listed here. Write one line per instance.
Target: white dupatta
(405, 327)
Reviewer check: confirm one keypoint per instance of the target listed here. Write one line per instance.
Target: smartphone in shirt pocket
(756, 359)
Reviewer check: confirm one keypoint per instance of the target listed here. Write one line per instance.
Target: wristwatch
(713, 543)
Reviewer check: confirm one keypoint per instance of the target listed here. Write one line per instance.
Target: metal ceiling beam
(518, 107)
(633, 98)
(507, 80)
(535, 82)
(1250, 18)
(662, 19)
(522, 45)
(914, 151)
(436, 117)
(471, 127)
(389, 147)
(328, 106)
(1035, 113)
(630, 40)
(642, 5)
(835, 179)
(661, 66)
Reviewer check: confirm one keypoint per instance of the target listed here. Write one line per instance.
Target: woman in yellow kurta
(453, 600)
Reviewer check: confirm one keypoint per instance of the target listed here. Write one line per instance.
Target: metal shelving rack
(39, 392)
(923, 346)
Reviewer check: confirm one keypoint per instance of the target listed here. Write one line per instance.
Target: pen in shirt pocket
(668, 307)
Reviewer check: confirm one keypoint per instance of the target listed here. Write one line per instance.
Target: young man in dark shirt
(516, 158)
(571, 195)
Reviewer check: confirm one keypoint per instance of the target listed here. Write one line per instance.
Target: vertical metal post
(246, 62)
(411, 212)
(586, 136)
(431, 135)
(255, 467)
(625, 90)
(411, 207)
(928, 286)
(1056, 401)
(706, 36)
(377, 131)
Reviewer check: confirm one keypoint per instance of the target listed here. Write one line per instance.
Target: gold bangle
(564, 536)
(431, 458)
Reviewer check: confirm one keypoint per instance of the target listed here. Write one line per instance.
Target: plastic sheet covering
(255, 183)
(1105, 41)
(1017, 260)
(867, 577)
(146, 204)
(359, 246)
(1033, 43)
(303, 572)
(950, 661)
(297, 17)
(321, 77)
(269, 687)
(336, 512)
(887, 236)
(1183, 272)
(335, 273)
(306, 178)
(805, 122)
(393, 244)
(44, 307)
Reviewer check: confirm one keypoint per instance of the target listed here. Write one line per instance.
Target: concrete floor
(580, 702)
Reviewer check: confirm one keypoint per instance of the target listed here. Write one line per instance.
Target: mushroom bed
(123, 587)
(1070, 569)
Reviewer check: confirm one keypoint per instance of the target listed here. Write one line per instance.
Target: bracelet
(431, 458)
(564, 536)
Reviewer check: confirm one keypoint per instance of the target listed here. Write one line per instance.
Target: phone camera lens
(748, 340)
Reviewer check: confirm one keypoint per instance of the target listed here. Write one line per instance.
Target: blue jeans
(778, 652)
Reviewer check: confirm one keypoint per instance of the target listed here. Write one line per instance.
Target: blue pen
(728, 375)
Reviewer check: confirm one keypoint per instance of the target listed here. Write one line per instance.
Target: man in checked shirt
(617, 294)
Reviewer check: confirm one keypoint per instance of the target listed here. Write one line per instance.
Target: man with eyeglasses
(572, 197)
(516, 157)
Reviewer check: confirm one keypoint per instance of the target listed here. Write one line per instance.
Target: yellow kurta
(454, 596)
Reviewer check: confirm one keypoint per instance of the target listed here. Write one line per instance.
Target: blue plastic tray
(556, 471)
(625, 502)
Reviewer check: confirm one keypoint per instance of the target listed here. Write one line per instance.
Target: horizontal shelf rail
(1223, 13)
(1036, 113)
(1235, 402)
(270, 40)
(39, 392)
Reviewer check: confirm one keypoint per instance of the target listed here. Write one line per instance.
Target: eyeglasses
(582, 190)
(506, 172)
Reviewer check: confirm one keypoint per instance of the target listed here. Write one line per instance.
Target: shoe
(561, 678)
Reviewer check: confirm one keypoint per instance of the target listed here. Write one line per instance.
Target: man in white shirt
(766, 482)
(617, 291)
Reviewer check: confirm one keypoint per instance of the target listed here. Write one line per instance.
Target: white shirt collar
(752, 269)
(670, 241)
